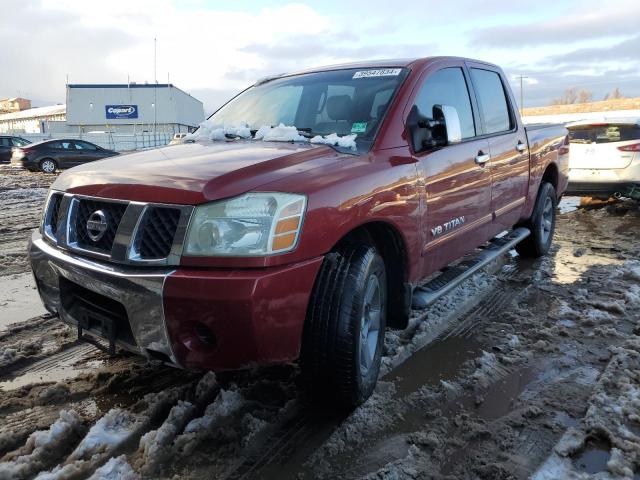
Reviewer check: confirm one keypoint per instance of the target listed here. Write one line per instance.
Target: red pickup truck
(308, 214)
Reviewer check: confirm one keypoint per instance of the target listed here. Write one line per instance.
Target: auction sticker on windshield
(379, 72)
(359, 127)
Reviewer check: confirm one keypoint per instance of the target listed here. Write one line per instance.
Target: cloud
(39, 48)
(627, 50)
(591, 21)
(214, 49)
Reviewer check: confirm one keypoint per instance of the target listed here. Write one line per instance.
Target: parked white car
(604, 157)
(177, 138)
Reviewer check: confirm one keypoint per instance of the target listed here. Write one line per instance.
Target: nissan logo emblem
(97, 225)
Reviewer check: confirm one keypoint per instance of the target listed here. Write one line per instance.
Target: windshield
(349, 102)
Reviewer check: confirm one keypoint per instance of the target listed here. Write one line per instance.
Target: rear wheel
(48, 165)
(542, 224)
(345, 325)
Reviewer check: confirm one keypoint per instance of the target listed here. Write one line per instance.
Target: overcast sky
(214, 49)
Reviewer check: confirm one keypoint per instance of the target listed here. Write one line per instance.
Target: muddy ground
(529, 369)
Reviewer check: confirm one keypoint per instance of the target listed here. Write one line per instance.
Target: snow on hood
(217, 132)
(267, 133)
(281, 133)
(347, 141)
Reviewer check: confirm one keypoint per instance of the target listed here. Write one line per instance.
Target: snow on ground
(613, 410)
(156, 444)
(424, 327)
(110, 433)
(19, 350)
(534, 349)
(226, 404)
(42, 447)
(116, 468)
(19, 299)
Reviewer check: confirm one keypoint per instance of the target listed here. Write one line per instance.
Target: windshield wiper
(232, 136)
(306, 132)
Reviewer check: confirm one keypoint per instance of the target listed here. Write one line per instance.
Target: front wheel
(345, 325)
(48, 166)
(542, 224)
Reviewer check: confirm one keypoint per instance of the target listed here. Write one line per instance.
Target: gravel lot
(529, 369)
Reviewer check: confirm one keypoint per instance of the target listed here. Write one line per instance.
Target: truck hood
(194, 173)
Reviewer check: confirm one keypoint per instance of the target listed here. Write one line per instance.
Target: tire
(48, 165)
(340, 360)
(542, 224)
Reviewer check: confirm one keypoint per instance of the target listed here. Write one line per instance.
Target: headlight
(253, 224)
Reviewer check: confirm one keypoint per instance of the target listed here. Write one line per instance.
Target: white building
(121, 109)
(33, 120)
(131, 108)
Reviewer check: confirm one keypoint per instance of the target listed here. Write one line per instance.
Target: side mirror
(448, 116)
(440, 130)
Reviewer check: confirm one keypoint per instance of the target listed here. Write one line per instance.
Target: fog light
(204, 334)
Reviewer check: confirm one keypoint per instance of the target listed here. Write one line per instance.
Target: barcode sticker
(379, 72)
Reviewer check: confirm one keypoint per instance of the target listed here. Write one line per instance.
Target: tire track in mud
(290, 448)
(450, 354)
(22, 194)
(255, 424)
(268, 413)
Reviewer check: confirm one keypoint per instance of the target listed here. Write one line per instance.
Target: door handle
(482, 158)
(521, 147)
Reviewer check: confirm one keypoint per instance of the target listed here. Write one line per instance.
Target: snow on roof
(36, 112)
(607, 119)
(588, 117)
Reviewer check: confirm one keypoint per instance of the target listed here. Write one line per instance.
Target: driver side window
(448, 87)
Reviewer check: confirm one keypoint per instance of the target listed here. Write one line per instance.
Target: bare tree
(570, 96)
(616, 93)
(584, 96)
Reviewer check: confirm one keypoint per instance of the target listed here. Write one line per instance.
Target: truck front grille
(157, 230)
(117, 231)
(54, 212)
(113, 213)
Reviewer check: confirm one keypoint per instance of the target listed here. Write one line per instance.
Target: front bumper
(192, 318)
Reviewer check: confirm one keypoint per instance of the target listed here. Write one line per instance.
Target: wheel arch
(391, 245)
(550, 175)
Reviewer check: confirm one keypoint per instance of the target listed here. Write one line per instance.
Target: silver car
(604, 157)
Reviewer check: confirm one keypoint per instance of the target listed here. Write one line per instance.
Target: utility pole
(155, 93)
(521, 77)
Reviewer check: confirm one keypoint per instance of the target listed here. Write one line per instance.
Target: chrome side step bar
(451, 277)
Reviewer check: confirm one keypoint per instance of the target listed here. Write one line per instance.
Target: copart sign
(121, 111)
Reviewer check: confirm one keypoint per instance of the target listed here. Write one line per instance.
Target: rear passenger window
(4, 142)
(448, 87)
(492, 99)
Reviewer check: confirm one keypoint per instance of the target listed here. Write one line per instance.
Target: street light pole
(521, 77)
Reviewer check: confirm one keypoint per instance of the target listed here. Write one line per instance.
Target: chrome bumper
(139, 291)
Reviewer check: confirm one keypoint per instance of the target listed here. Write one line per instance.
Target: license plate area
(104, 326)
(96, 315)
